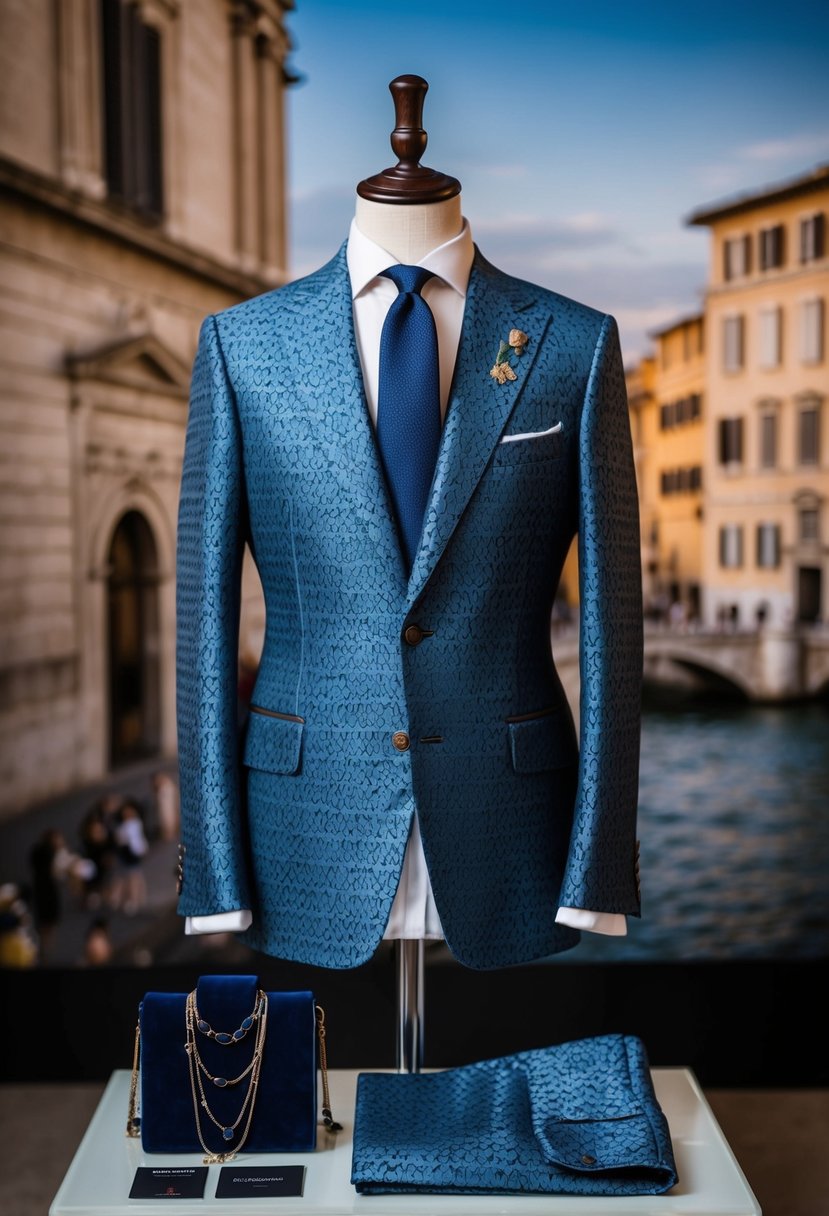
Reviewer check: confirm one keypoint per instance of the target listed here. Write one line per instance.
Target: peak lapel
(343, 426)
(479, 406)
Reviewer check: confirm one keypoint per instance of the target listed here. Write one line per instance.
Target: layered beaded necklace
(196, 1025)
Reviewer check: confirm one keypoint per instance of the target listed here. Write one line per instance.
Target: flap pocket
(543, 742)
(593, 1145)
(273, 742)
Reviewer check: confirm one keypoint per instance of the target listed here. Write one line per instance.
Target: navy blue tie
(408, 401)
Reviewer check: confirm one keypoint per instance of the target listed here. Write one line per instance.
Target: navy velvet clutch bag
(580, 1118)
(229, 1008)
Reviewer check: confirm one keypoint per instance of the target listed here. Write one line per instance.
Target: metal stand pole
(409, 958)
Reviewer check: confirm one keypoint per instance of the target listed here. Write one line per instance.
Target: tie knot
(408, 278)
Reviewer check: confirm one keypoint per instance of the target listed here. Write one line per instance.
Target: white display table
(98, 1181)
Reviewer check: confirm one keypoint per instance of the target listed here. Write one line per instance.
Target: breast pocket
(527, 448)
(273, 741)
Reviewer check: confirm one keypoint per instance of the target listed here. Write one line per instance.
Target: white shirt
(413, 913)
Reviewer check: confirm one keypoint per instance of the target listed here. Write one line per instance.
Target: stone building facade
(142, 186)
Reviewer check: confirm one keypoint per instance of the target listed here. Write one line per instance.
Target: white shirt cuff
(219, 922)
(612, 923)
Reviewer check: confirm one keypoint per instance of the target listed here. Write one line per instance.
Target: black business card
(270, 1180)
(169, 1182)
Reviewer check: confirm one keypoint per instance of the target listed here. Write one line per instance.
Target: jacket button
(413, 634)
(400, 740)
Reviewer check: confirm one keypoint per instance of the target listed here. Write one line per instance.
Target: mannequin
(278, 405)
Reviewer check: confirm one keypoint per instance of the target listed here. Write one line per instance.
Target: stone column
(80, 133)
(247, 198)
(272, 46)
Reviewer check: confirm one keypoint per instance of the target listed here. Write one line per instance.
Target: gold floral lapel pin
(502, 369)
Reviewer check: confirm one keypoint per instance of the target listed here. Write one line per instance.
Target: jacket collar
(477, 411)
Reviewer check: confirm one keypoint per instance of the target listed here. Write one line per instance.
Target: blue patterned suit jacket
(354, 723)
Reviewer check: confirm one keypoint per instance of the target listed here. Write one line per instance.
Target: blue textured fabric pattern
(408, 403)
(285, 1114)
(580, 1118)
(304, 817)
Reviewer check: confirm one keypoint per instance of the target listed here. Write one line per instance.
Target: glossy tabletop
(98, 1181)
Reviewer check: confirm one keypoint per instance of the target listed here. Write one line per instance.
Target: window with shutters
(733, 343)
(768, 440)
(736, 257)
(808, 436)
(812, 237)
(809, 524)
(731, 441)
(771, 352)
(768, 546)
(811, 330)
(772, 247)
(131, 63)
(731, 546)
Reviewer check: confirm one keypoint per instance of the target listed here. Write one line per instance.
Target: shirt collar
(451, 261)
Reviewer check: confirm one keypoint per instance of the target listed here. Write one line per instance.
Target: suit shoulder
(285, 299)
(584, 313)
(564, 307)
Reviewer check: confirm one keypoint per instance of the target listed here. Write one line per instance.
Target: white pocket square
(531, 434)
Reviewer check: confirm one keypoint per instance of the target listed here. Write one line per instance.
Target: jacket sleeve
(212, 529)
(602, 866)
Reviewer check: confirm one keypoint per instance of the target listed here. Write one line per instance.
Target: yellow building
(666, 399)
(766, 530)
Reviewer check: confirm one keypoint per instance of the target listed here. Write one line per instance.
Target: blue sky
(582, 135)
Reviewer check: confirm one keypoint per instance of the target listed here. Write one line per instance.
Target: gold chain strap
(331, 1125)
(328, 1119)
(133, 1122)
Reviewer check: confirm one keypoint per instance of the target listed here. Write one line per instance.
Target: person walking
(131, 841)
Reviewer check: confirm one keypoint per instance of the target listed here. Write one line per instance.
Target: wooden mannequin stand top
(409, 210)
(408, 181)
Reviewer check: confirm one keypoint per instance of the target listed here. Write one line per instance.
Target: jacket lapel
(479, 407)
(343, 429)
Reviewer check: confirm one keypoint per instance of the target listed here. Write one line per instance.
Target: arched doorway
(133, 641)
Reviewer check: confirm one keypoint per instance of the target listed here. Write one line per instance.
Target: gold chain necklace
(227, 1038)
(196, 1066)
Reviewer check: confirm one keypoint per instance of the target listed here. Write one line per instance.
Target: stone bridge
(763, 665)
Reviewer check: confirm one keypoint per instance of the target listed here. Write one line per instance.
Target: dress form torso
(409, 232)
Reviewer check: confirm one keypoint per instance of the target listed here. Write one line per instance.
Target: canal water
(734, 831)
